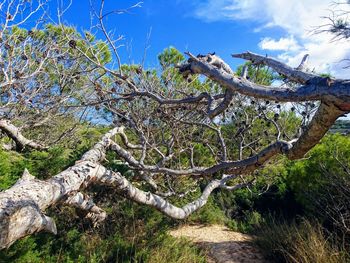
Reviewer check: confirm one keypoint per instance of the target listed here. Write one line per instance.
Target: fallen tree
(162, 125)
(22, 207)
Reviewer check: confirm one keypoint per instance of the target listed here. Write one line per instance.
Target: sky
(279, 28)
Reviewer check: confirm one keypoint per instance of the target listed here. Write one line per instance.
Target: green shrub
(233, 225)
(209, 214)
(253, 221)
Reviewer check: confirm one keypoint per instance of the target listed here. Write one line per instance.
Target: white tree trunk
(22, 206)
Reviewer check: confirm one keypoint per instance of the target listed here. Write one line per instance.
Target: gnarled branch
(124, 187)
(22, 206)
(15, 134)
(315, 88)
(84, 202)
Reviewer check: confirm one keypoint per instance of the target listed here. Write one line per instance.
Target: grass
(174, 250)
(305, 242)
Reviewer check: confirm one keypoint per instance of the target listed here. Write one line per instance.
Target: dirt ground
(222, 245)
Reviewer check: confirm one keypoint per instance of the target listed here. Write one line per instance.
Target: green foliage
(11, 168)
(104, 54)
(252, 222)
(315, 187)
(89, 36)
(45, 164)
(209, 214)
(86, 42)
(131, 233)
(170, 57)
(309, 174)
(258, 74)
(249, 224)
(170, 77)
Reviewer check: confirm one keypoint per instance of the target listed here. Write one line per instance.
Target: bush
(321, 184)
(209, 214)
(306, 242)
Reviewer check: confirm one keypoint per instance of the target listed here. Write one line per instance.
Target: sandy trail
(222, 244)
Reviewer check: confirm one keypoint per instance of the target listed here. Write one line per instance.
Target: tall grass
(305, 242)
(174, 250)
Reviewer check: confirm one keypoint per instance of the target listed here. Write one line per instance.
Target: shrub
(306, 242)
(209, 214)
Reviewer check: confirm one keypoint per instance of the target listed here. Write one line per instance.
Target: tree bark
(15, 134)
(22, 206)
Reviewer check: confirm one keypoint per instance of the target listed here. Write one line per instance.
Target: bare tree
(337, 22)
(174, 127)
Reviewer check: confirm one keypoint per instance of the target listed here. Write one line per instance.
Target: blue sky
(171, 23)
(279, 28)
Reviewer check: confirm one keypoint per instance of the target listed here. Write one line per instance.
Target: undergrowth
(303, 242)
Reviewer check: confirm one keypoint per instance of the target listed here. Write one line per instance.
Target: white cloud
(298, 19)
(214, 10)
(283, 44)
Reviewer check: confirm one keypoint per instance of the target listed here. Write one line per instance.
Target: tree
(43, 76)
(338, 22)
(172, 130)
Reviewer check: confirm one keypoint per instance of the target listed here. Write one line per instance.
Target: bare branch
(297, 75)
(96, 214)
(14, 133)
(323, 120)
(127, 189)
(315, 88)
(237, 167)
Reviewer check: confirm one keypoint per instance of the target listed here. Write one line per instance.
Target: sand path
(222, 245)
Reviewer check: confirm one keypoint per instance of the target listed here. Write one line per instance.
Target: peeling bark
(85, 203)
(22, 206)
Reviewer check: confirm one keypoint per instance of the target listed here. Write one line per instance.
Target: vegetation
(223, 148)
(289, 224)
(304, 216)
(300, 242)
(276, 208)
(123, 237)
